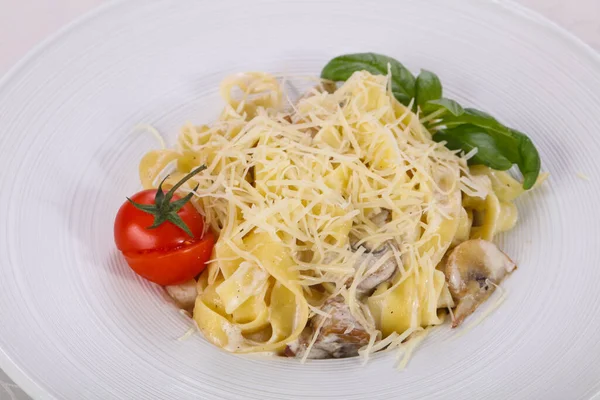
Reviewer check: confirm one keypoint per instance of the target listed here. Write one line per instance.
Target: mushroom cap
(478, 261)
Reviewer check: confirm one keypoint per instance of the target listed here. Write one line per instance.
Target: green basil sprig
(342, 67)
(498, 146)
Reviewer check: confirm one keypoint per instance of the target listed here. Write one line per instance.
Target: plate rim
(26, 383)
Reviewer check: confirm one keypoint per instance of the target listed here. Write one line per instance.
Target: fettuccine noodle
(294, 193)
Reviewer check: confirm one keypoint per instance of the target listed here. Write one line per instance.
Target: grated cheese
(489, 309)
(405, 350)
(149, 128)
(583, 176)
(307, 174)
(314, 338)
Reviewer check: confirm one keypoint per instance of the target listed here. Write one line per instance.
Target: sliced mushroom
(385, 271)
(379, 219)
(473, 270)
(184, 294)
(341, 335)
(373, 253)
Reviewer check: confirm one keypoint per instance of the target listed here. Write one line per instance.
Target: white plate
(76, 323)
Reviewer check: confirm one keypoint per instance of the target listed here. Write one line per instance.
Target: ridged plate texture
(76, 323)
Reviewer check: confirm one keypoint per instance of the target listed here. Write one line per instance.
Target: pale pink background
(24, 23)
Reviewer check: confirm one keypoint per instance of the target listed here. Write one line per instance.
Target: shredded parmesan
(154, 132)
(405, 350)
(309, 178)
(583, 176)
(192, 330)
(313, 339)
(489, 309)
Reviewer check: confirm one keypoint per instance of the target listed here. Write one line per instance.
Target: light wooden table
(24, 23)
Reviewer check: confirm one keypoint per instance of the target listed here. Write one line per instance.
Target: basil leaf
(506, 140)
(427, 87)
(342, 67)
(514, 145)
(479, 113)
(530, 163)
(476, 117)
(499, 147)
(447, 104)
(467, 137)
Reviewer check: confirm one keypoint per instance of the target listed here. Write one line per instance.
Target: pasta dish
(344, 222)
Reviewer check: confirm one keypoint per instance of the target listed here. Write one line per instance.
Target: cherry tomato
(161, 236)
